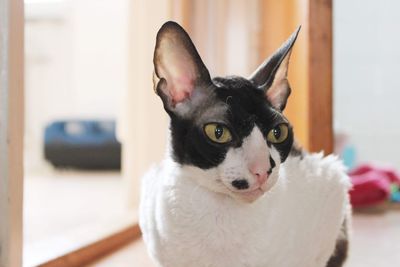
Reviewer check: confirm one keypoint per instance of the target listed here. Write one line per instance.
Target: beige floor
(375, 243)
(133, 255)
(58, 201)
(376, 240)
(62, 208)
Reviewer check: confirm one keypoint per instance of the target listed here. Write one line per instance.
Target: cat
(234, 189)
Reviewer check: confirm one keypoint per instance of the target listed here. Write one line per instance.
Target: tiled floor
(375, 243)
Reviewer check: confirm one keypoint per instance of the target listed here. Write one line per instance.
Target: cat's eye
(278, 134)
(218, 133)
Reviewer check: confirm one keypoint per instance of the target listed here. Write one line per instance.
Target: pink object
(261, 175)
(371, 184)
(390, 172)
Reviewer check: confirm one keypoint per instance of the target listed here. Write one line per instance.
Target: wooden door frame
(11, 130)
(320, 75)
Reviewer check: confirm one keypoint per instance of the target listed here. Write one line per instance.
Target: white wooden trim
(11, 131)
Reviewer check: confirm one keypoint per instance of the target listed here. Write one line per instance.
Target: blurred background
(76, 69)
(93, 124)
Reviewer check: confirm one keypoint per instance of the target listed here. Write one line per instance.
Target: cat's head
(229, 133)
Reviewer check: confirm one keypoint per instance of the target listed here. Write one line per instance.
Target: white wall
(76, 63)
(366, 76)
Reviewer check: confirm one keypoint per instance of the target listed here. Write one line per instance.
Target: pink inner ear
(180, 75)
(274, 95)
(277, 93)
(181, 88)
(279, 90)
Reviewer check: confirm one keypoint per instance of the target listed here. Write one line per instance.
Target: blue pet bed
(82, 144)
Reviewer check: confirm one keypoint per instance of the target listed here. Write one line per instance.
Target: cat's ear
(179, 70)
(271, 75)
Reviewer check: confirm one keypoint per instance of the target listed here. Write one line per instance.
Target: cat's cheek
(275, 155)
(207, 178)
(274, 176)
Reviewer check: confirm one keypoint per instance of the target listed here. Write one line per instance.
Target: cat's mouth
(249, 196)
(252, 195)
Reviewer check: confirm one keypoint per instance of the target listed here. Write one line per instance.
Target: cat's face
(228, 134)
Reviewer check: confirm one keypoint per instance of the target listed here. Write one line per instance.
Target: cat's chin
(249, 196)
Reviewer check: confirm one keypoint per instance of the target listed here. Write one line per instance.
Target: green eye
(278, 134)
(218, 133)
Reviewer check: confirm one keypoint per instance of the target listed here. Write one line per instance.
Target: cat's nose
(260, 173)
(261, 177)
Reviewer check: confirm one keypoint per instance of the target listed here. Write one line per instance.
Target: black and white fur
(247, 202)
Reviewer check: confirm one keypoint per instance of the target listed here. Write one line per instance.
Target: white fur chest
(296, 223)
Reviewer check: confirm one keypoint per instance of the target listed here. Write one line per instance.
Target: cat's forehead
(233, 82)
(214, 110)
(235, 98)
(240, 92)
